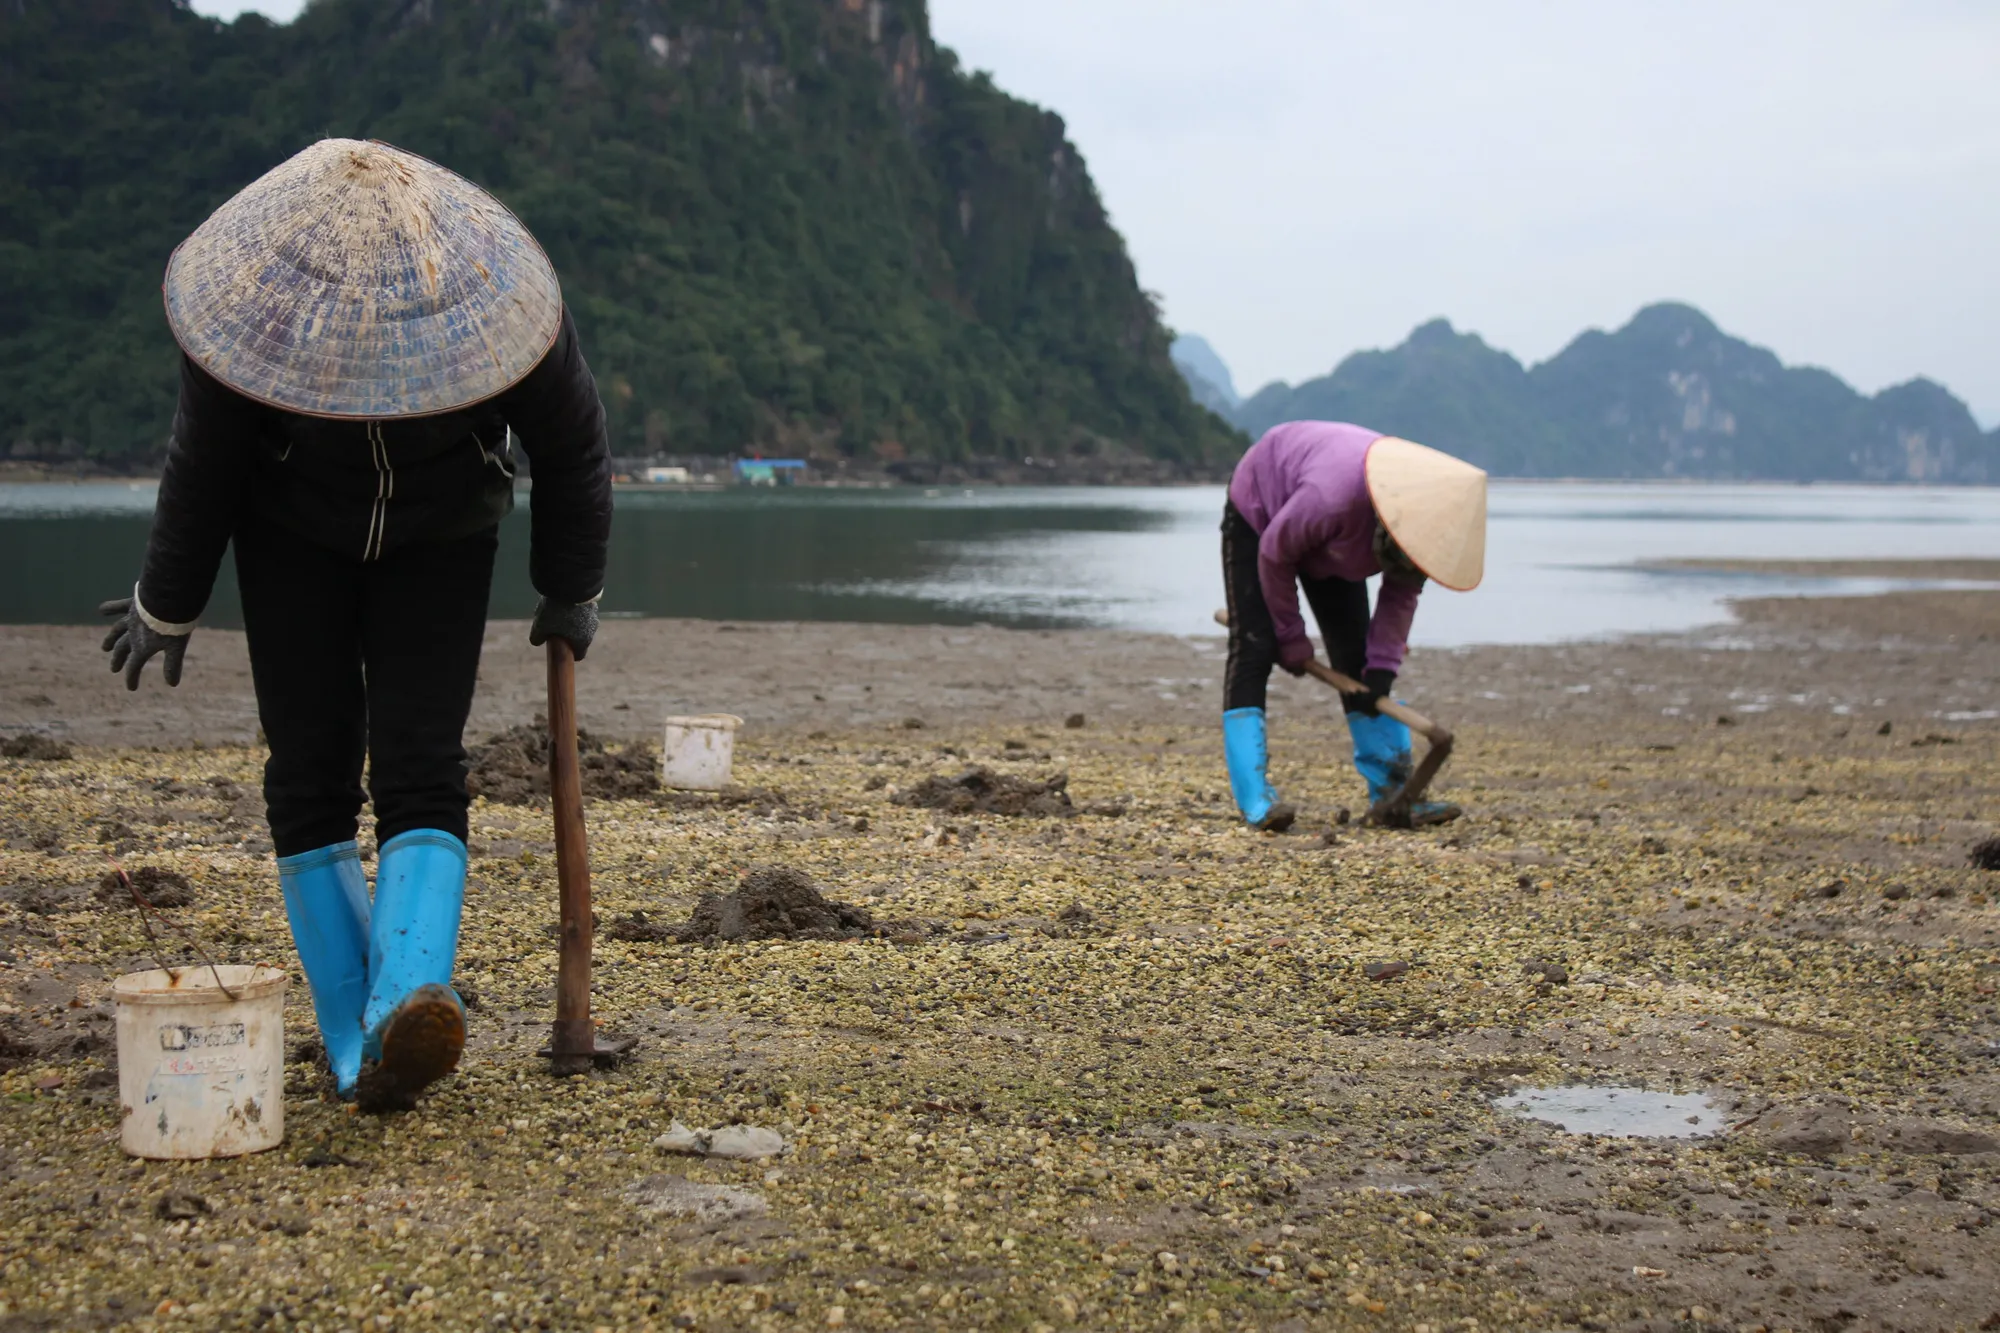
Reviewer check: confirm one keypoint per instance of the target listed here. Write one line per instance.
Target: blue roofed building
(769, 471)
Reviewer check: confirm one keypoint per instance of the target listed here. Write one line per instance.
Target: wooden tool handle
(1402, 712)
(1346, 684)
(573, 1027)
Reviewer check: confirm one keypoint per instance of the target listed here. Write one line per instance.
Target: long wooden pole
(573, 1035)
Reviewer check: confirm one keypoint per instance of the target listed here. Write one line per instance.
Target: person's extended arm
(201, 491)
(1389, 634)
(556, 414)
(1302, 526)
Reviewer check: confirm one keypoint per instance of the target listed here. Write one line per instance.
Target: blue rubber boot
(414, 1021)
(326, 901)
(1248, 757)
(1382, 757)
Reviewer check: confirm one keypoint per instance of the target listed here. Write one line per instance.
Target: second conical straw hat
(357, 280)
(1434, 505)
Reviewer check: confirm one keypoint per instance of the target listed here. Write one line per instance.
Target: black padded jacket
(368, 487)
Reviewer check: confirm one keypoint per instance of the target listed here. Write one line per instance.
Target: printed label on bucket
(182, 1037)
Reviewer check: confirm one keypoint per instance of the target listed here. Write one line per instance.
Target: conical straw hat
(1435, 508)
(357, 280)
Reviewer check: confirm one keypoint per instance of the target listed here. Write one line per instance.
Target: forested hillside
(792, 225)
(1668, 395)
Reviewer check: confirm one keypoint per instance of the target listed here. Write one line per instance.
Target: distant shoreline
(17, 473)
(1970, 569)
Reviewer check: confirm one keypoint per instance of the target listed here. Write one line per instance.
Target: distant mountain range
(1668, 395)
(1207, 377)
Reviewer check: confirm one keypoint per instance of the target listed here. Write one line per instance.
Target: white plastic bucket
(200, 1074)
(698, 751)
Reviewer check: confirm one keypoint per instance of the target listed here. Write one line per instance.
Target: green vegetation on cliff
(793, 225)
(1668, 395)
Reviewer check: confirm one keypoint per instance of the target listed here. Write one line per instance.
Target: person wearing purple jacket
(1324, 506)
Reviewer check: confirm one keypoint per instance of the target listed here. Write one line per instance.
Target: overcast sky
(1301, 178)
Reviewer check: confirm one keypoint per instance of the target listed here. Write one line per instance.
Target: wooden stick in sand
(574, 1044)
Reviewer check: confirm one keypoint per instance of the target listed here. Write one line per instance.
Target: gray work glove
(563, 620)
(132, 641)
(1378, 683)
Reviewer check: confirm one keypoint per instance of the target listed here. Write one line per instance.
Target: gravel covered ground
(1117, 1069)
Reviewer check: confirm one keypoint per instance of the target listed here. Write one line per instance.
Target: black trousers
(357, 660)
(1339, 605)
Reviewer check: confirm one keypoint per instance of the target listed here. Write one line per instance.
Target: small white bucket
(200, 1074)
(698, 751)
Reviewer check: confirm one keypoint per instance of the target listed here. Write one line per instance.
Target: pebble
(179, 1205)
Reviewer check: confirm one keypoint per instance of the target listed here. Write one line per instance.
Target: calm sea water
(1564, 561)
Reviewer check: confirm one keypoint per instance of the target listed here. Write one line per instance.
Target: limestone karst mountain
(1208, 377)
(797, 225)
(1667, 395)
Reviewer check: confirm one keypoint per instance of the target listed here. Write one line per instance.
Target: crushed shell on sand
(1132, 1074)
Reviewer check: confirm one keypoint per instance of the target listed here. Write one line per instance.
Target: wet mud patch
(35, 746)
(979, 790)
(45, 1014)
(47, 899)
(512, 768)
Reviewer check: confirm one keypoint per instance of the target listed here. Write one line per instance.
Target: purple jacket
(1304, 488)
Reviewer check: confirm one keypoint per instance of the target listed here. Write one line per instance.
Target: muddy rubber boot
(1382, 757)
(414, 1022)
(326, 902)
(1248, 758)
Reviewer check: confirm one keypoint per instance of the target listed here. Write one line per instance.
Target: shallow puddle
(1631, 1113)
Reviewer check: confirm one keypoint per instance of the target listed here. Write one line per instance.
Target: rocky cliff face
(794, 225)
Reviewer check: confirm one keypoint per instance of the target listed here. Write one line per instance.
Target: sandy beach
(1123, 1069)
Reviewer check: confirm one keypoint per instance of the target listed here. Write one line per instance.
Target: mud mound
(774, 903)
(1986, 855)
(34, 745)
(161, 888)
(979, 790)
(512, 768)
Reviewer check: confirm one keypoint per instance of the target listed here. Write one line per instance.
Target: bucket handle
(139, 901)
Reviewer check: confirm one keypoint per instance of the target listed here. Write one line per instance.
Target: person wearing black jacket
(365, 337)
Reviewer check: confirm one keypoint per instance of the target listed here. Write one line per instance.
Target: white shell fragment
(749, 1143)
